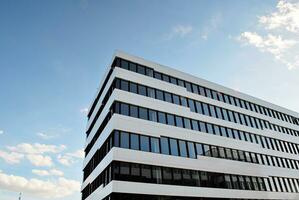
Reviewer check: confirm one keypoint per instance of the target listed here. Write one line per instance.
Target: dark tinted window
(159, 95)
(143, 113)
(124, 85)
(124, 140)
(134, 111)
(133, 87)
(142, 90)
(124, 109)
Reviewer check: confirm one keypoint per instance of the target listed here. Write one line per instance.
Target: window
(219, 113)
(165, 78)
(167, 175)
(164, 146)
(221, 152)
(155, 147)
(116, 138)
(142, 90)
(195, 125)
(198, 107)
(134, 111)
(143, 113)
(124, 85)
(188, 87)
(199, 149)
(191, 149)
(159, 95)
(124, 140)
(184, 101)
(213, 112)
(144, 143)
(141, 69)
(173, 80)
(195, 88)
(187, 123)
(149, 72)
(181, 83)
(170, 120)
(206, 150)
(153, 115)
(210, 128)
(214, 95)
(205, 109)
(177, 176)
(217, 130)
(202, 126)
(161, 118)
(133, 88)
(146, 173)
(176, 99)
(183, 148)
(179, 121)
(229, 133)
(173, 147)
(124, 64)
(133, 67)
(225, 116)
(134, 141)
(191, 105)
(124, 109)
(208, 92)
(168, 97)
(151, 92)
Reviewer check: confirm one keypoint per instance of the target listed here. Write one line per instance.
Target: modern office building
(157, 133)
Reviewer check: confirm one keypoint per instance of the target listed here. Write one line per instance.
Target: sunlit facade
(157, 133)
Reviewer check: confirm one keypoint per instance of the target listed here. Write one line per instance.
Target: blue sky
(53, 55)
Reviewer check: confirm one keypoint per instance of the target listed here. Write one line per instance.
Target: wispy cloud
(68, 159)
(1, 132)
(212, 24)
(179, 30)
(51, 172)
(282, 39)
(36, 148)
(45, 136)
(49, 189)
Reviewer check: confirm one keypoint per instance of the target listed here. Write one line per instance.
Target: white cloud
(58, 188)
(287, 17)
(84, 111)
(70, 158)
(1, 132)
(11, 157)
(77, 154)
(179, 31)
(45, 136)
(36, 148)
(51, 172)
(182, 30)
(283, 46)
(40, 160)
